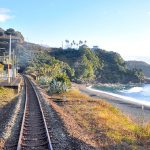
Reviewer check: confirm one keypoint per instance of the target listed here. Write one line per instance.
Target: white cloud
(5, 14)
(4, 17)
(4, 10)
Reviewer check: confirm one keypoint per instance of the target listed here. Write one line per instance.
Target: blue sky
(119, 25)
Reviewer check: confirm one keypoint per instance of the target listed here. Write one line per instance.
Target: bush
(44, 80)
(59, 84)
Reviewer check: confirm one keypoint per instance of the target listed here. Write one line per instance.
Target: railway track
(34, 131)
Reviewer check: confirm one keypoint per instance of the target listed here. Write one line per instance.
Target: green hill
(24, 51)
(83, 61)
(86, 64)
(139, 65)
(98, 66)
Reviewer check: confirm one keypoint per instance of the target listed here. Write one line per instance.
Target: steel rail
(47, 133)
(19, 146)
(23, 121)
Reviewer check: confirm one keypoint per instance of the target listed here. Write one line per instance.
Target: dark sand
(132, 110)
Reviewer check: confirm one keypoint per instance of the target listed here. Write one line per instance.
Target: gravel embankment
(10, 134)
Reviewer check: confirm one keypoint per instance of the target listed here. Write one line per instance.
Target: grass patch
(6, 95)
(72, 95)
(105, 122)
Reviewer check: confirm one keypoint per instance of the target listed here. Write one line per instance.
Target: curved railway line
(34, 132)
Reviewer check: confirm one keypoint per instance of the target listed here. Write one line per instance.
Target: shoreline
(132, 110)
(124, 98)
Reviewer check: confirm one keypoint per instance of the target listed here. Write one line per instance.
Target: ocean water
(139, 93)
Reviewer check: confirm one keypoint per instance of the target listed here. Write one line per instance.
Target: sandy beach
(131, 109)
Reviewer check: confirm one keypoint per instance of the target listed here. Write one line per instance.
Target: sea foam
(133, 90)
(124, 98)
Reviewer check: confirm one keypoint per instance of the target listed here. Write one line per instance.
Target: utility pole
(15, 59)
(16, 65)
(13, 64)
(9, 61)
(4, 62)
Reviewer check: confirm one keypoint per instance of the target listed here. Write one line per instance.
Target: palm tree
(80, 43)
(71, 45)
(73, 42)
(67, 43)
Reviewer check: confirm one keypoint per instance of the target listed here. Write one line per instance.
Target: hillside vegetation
(16, 37)
(51, 72)
(98, 66)
(24, 51)
(83, 64)
(139, 65)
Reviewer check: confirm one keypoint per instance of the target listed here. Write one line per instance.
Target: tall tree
(67, 43)
(10, 31)
(80, 43)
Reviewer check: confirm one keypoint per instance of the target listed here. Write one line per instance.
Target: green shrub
(44, 80)
(59, 84)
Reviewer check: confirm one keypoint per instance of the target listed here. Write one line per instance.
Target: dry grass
(6, 96)
(105, 122)
(72, 95)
